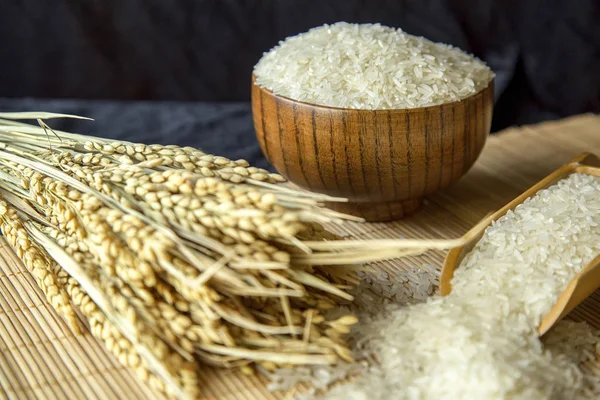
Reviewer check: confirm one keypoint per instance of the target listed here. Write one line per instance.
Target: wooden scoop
(580, 287)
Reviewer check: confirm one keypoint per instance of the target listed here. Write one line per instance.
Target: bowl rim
(490, 85)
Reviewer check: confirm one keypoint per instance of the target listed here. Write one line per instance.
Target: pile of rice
(369, 66)
(481, 342)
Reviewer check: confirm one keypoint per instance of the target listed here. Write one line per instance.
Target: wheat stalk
(174, 256)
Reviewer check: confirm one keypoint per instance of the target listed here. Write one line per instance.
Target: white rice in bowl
(369, 66)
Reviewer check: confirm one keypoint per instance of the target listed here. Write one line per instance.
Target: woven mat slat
(41, 358)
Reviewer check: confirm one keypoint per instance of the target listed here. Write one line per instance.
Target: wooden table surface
(41, 358)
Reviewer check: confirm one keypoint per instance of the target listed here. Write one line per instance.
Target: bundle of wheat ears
(173, 257)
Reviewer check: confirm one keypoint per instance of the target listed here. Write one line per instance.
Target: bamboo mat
(41, 358)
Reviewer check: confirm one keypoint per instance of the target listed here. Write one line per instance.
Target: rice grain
(369, 66)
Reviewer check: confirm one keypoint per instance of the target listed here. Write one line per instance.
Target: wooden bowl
(383, 161)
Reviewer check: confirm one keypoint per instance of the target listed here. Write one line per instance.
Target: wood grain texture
(383, 161)
(41, 358)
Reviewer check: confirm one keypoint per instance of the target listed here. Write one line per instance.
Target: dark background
(178, 71)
